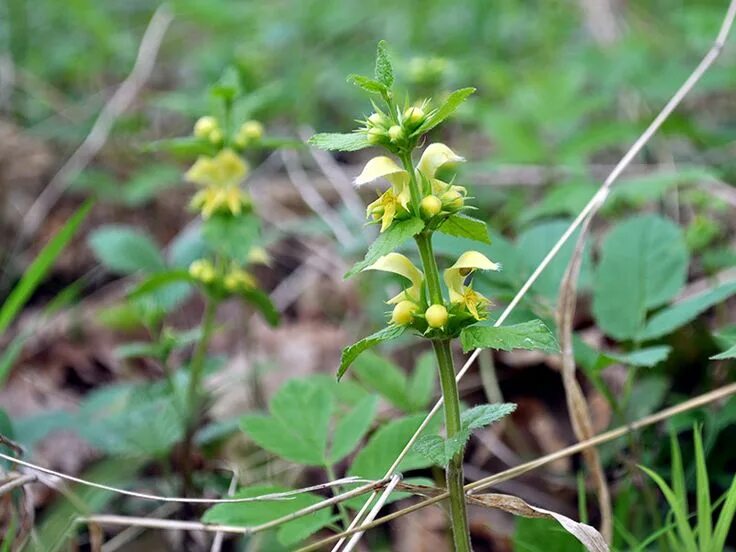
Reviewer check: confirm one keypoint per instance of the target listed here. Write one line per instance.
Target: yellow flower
(469, 262)
(385, 167)
(203, 270)
(401, 265)
(225, 169)
(436, 156)
(238, 279)
(385, 208)
(213, 199)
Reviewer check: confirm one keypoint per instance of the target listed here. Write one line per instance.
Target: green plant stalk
(342, 510)
(454, 472)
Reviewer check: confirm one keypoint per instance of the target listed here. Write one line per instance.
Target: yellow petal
(232, 168)
(202, 172)
(382, 167)
(472, 260)
(434, 156)
(389, 212)
(397, 263)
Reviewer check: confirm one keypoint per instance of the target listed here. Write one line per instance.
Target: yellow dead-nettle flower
(469, 262)
(225, 169)
(436, 156)
(401, 265)
(238, 279)
(203, 270)
(230, 199)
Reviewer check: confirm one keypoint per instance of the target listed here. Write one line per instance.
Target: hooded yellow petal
(472, 260)
(434, 156)
(203, 172)
(382, 167)
(397, 263)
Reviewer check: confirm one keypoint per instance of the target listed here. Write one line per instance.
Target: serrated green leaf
(676, 316)
(232, 236)
(532, 335)
(40, 266)
(434, 448)
(125, 250)
(388, 241)
(463, 226)
(385, 377)
(352, 428)
(452, 102)
(333, 141)
(384, 71)
(728, 353)
(369, 85)
(256, 513)
(643, 265)
(349, 354)
(485, 414)
(298, 425)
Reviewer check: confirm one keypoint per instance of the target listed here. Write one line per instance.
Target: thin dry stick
(219, 537)
(97, 137)
(183, 500)
(576, 404)
(696, 402)
(17, 482)
(374, 512)
(592, 206)
(125, 536)
(315, 201)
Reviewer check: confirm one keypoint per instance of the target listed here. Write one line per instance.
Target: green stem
(413, 185)
(336, 491)
(454, 471)
(196, 368)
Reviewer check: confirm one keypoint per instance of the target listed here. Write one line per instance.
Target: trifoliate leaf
(334, 141)
(448, 108)
(349, 354)
(388, 241)
(463, 226)
(532, 335)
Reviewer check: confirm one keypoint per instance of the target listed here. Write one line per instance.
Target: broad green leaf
(643, 265)
(125, 250)
(668, 320)
(384, 71)
(369, 85)
(485, 414)
(384, 446)
(422, 382)
(40, 266)
(532, 335)
(333, 141)
(352, 428)
(464, 226)
(261, 301)
(232, 236)
(187, 247)
(385, 377)
(436, 449)
(256, 513)
(388, 241)
(452, 102)
(349, 354)
(647, 357)
(728, 353)
(298, 425)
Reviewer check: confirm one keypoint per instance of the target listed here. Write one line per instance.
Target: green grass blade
(678, 473)
(705, 526)
(40, 266)
(725, 519)
(678, 510)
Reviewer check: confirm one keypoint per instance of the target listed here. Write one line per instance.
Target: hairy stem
(454, 471)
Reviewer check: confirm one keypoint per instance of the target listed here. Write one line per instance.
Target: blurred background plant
(563, 89)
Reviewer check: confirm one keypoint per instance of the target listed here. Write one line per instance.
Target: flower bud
(251, 130)
(403, 313)
(395, 133)
(413, 117)
(204, 126)
(436, 316)
(430, 206)
(378, 120)
(202, 270)
(452, 200)
(376, 135)
(215, 136)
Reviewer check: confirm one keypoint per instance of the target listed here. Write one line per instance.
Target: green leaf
(384, 446)
(369, 85)
(125, 250)
(232, 236)
(388, 241)
(643, 265)
(728, 353)
(668, 320)
(256, 513)
(448, 108)
(725, 519)
(262, 302)
(160, 280)
(647, 357)
(485, 414)
(228, 87)
(463, 226)
(298, 425)
(421, 384)
(352, 428)
(532, 335)
(702, 492)
(40, 266)
(681, 519)
(333, 141)
(349, 354)
(384, 71)
(437, 450)
(385, 377)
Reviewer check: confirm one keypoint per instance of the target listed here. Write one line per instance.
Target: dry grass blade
(696, 402)
(577, 406)
(16, 482)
